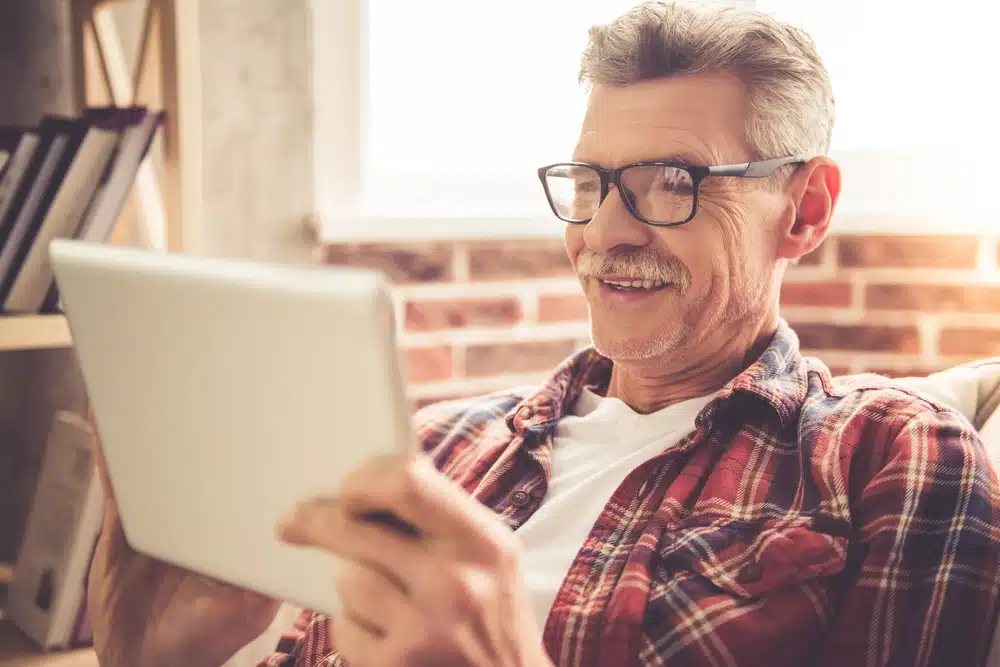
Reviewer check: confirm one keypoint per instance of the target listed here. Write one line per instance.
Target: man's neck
(650, 386)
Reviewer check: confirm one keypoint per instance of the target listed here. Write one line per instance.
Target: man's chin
(634, 348)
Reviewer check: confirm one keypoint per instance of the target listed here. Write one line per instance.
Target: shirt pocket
(749, 559)
(763, 592)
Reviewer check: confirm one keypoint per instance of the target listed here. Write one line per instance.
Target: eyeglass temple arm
(758, 169)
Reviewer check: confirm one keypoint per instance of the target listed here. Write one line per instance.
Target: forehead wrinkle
(618, 141)
(641, 147)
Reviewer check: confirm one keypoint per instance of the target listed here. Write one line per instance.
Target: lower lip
(633, 296)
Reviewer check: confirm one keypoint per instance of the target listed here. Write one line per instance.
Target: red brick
(526, 357)
(885, 251)
(832, 294)
(858, 338)
(402, 263)
(438, 315)
(562, 308)
(506, 260)
(428, 364)
(970, 342)
(939, 298)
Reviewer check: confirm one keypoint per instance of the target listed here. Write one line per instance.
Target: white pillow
(957, 387)
(990, 435)
(972, 389)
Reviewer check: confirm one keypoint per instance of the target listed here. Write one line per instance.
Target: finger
(324, 524)
(420, 495)
(372, 600)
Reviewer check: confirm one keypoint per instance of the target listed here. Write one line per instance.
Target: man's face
(719, 267)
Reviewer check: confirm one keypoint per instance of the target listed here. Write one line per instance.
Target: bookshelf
(163, 210)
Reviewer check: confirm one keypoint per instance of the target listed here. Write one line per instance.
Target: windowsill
(388, 229)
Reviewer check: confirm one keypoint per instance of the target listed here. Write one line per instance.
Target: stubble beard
(626, 348)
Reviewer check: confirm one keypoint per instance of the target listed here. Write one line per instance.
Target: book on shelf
(69, 177)
(9, 139)
(46, 598)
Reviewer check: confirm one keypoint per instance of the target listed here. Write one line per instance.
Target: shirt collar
(778, 378)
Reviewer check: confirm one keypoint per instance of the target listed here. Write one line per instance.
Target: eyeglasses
(664, 194)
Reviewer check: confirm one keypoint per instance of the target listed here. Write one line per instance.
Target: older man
(690, 491)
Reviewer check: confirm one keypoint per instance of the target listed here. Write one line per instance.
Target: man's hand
(451, 594)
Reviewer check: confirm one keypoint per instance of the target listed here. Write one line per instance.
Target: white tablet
(225, 391)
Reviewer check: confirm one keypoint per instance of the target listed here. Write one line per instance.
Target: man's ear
(814, 190)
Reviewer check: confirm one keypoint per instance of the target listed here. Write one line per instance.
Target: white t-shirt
(594, 449)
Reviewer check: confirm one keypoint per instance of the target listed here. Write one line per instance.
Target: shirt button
(750, 573)
(520, 498)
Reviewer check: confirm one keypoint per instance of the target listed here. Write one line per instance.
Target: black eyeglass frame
(609, 177)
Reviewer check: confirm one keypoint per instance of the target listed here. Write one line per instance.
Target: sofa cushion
(972, 389)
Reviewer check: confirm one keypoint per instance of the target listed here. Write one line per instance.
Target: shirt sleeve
(306, 644)
(925, 585)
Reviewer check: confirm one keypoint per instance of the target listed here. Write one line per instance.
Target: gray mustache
(639, 266)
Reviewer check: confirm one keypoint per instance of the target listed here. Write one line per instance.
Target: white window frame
(339, 88)
(339, 93)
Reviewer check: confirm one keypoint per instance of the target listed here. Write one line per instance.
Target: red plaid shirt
(805, 521)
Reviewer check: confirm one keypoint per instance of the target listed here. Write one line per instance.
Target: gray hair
(791, 98)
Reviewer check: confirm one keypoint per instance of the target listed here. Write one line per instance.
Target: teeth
(636, 284)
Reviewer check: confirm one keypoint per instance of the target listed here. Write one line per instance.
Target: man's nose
(614, 225)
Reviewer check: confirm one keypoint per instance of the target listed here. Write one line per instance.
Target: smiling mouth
(635, 285)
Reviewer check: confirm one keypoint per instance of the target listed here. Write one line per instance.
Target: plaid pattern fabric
(805, 521)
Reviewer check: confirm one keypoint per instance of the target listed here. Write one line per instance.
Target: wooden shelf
(33, 332)
(16, 650)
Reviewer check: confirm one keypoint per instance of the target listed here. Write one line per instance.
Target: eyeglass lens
(659, 194)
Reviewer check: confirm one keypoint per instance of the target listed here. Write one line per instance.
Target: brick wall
(478, 316)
